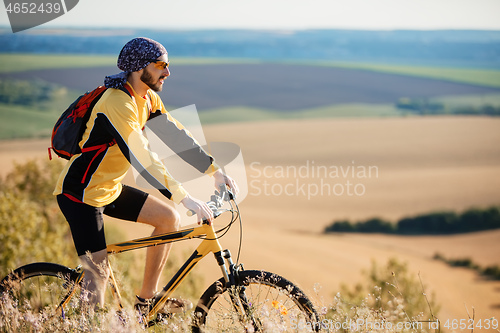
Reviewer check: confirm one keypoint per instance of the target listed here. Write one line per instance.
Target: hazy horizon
(282, 15)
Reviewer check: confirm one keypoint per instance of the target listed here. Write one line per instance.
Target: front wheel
(260, 301)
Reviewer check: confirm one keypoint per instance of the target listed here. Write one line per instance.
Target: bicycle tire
(272, 304)
(39, 287)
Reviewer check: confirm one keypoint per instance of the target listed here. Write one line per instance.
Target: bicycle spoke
(37, 288)
(268, 302)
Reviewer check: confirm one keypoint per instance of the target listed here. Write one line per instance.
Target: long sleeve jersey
(94, 177)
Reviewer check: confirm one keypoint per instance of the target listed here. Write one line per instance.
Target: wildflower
(283, 310)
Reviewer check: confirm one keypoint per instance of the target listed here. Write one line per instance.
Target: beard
(148, 79)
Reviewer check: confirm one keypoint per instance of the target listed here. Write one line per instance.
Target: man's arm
(119, 118)
(178, 138)
(182, 143)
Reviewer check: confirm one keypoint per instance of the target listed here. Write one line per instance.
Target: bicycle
(240, 300)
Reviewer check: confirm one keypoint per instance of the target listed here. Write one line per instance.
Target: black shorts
(87, 224)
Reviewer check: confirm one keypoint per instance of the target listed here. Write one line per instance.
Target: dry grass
(424, 164)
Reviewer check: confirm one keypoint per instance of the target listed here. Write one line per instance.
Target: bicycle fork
(228, 275)
(236, 288)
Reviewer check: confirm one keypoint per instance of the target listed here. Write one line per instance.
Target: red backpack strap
(101, 148)
(84, 103)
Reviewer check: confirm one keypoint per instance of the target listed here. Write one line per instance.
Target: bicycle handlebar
(216, 201)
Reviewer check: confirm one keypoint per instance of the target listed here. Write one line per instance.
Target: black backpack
(71, 125)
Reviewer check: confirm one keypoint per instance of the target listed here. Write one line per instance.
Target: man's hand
(222, 179)
(199, 207)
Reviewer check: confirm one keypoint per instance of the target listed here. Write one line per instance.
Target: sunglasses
(159, 64)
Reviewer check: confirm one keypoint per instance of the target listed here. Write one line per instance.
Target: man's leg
(96, 275)
(87, 228)
(163, 218)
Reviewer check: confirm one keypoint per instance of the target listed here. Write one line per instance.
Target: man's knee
(170, 221)
(176, 221)
(159, 214)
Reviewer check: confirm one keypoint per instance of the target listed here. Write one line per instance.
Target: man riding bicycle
(90, 183)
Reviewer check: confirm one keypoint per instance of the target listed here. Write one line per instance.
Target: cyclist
(90, 183)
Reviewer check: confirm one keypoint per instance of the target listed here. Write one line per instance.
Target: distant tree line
(423, 106)
(438, 223)
(468, 48)
(488, 110)
(491, 272)
(29, 93)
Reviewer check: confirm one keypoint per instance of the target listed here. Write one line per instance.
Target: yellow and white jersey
(94, 176)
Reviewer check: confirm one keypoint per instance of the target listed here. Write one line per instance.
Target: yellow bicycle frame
(209, 244)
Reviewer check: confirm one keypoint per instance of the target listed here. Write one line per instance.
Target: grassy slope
(22, 122)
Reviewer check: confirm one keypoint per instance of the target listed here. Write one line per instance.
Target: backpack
(69, 128)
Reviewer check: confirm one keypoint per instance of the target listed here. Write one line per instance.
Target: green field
(242, 113)
(23, 122)
(482, 77)
(473, 100)
(10, 63)
(17, 121)
(25, 62)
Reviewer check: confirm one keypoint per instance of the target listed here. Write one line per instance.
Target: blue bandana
(134, 57)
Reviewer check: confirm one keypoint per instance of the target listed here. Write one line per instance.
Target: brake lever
(225, 193)
(216, 200)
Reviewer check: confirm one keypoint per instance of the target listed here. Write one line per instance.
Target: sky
(281, 14)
